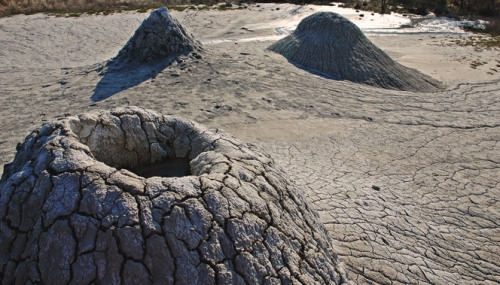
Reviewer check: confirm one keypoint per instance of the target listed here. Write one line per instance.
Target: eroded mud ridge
(331, 44)
(71, 212)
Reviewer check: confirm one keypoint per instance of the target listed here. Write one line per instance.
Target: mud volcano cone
(159, 37)
(74, 208)
(157, 43)
(328, 43)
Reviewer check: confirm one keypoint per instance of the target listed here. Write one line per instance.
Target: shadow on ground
(314, 71)
(117, 77)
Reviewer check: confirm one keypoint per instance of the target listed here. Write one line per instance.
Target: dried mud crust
(424, 212)
(71, 212)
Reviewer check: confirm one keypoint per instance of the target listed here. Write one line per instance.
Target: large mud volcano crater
(72, 210)
(142, 143)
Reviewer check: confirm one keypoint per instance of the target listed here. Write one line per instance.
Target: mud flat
(406, 183)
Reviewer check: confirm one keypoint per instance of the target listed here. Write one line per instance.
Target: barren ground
(407, 184)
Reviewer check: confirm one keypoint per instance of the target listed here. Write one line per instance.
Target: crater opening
(171, 167)
(142, 142)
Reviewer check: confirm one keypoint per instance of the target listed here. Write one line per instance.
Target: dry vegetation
(12, 7)
(488, 10)
(479, 42)
(75, 7)
(487, 38)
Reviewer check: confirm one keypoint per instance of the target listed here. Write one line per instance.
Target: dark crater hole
(171, 167)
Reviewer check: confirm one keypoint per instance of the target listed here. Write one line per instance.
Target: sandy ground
(406, 183)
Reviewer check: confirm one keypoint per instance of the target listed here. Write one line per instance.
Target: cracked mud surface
(432, 156)
(69, 216)
(424, 211)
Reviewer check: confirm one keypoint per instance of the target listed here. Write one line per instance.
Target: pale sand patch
(433, 156)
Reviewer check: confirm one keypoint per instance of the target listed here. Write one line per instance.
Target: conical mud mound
(130, 196)
(159, 37)
(156, 44)
(330, 44)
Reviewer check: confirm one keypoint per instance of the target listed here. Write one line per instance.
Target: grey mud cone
(159, 37)
(94, 199)
(330, 44)
(158, 42)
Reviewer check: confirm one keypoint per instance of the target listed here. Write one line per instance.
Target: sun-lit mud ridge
(71, 212)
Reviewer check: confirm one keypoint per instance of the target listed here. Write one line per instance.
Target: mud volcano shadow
(158, 42)
(328, 44)
(116, 80)
(88, 200)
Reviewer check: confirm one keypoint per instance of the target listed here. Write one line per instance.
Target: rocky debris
(328, 43)
(159, 37)
(73, 210)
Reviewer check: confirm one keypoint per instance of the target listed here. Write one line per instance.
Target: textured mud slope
(71, 212)
(158, 38)
(331, 44)
(157, 43)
